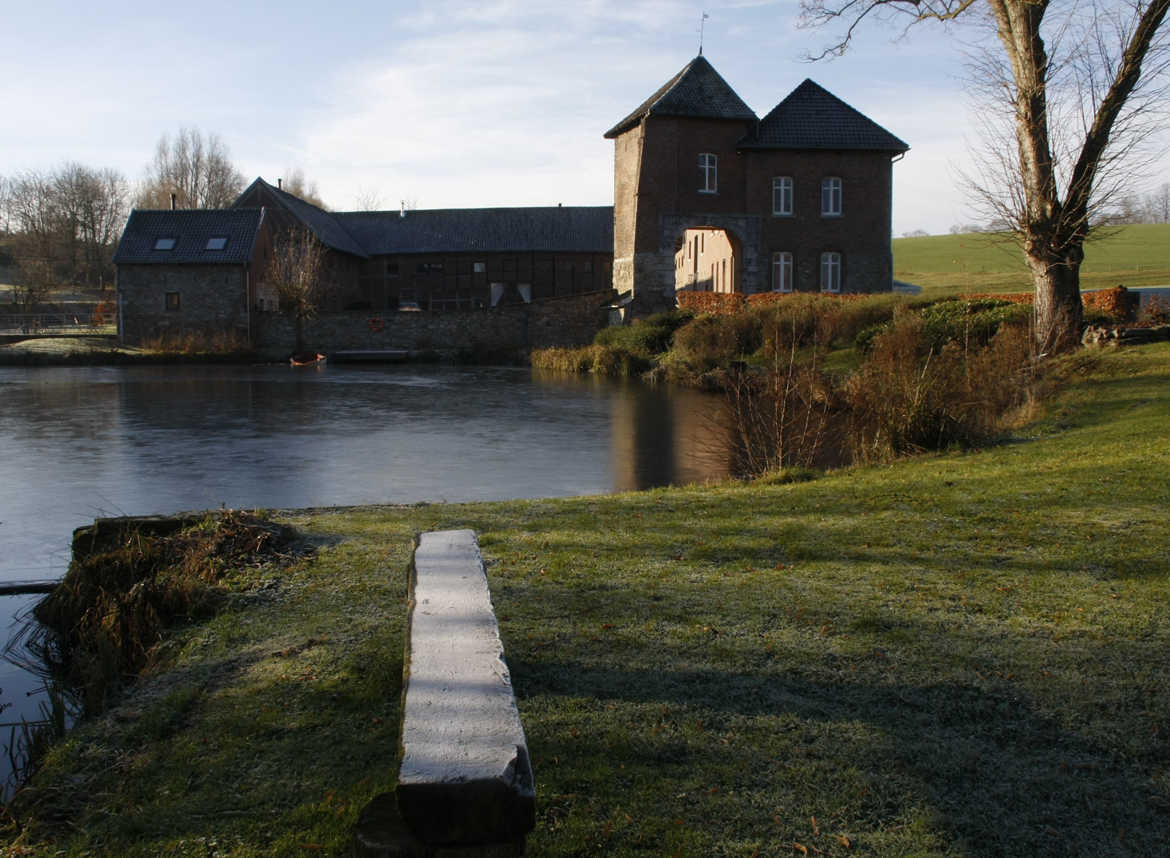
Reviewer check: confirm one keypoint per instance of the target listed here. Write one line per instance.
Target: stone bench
(465, 783)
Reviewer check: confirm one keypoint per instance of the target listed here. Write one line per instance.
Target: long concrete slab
(464, 776)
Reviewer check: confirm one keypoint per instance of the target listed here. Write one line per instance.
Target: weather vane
(702, 22)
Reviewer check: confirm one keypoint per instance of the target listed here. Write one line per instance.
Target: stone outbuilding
(191, 272)
(709, 197)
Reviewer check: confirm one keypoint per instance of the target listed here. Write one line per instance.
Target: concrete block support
(465, 784)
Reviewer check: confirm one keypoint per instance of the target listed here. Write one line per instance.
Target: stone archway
(655, 272)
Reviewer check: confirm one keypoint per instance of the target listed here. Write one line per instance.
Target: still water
(81, 443)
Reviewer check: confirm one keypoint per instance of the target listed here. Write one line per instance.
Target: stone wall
(567, 321)
(207, 299)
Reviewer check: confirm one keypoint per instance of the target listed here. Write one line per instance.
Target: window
(429, 268)
(830, 272)
(782, 195)
(173, 302)
(831, 197)
(708, 173)
(782, 271)
(216, 242)
(165, 243)
(391, 269)
(479, 267)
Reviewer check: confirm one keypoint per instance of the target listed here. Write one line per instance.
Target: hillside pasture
(1137, 255)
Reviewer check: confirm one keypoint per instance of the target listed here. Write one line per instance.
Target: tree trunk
(1058, 299)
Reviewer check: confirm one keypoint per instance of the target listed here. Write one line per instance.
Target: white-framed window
(782, 195)
(831, 196)
(831, 272)
(708, 173)
(782, 271)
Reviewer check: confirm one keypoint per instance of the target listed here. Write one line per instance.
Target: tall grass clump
(910, 396)
(199, 342)
(102, 624)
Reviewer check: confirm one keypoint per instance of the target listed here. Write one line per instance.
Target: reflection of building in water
(705, 261)
(662, 438)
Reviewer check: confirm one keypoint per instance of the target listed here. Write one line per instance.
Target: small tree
(298, 260)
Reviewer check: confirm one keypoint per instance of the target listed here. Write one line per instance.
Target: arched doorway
(707, 259)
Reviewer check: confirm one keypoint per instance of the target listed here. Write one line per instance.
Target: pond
(86, 442)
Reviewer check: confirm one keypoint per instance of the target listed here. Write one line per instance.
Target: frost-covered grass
(961, 654)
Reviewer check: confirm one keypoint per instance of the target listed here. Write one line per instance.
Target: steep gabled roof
(569, 229)
(811, 117)
(190, 229)
(696, 91)
(321, 223)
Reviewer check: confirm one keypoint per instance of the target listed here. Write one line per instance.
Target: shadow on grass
(990, 774)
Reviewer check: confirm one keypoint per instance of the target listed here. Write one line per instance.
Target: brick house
(449, 259)
(190, 271)
(708, 196)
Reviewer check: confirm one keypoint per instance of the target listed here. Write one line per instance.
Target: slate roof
(811, 117)
(323, 224)
(696, 91)
(191, 228)
(585, 229)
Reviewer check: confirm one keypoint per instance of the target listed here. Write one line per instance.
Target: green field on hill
(1137, 255)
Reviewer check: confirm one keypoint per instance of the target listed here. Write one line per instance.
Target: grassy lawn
(963, 654)
(1137, 255)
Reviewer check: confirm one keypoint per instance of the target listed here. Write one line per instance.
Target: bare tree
(295, 272)
(196, 169)
(92, 205)
(297, 185)
(1159, 204)
(1076, 118)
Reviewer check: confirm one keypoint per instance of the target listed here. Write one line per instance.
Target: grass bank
(961, 654)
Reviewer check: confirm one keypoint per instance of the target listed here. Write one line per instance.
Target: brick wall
(657, 198)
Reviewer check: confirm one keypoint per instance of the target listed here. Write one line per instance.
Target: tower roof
(811, 117)
(697, 91)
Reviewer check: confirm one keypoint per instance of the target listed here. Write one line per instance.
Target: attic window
(165, 243)
(216, 242)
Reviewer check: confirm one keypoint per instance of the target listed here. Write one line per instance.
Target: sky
(449, 103)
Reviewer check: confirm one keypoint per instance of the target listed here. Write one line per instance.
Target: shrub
(1111, 305)
(901, 402)
(804, 318)
(710, 341)
(648, 337)
(781, 420)
(712, 303)
(966, 321)
(1155, 311)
